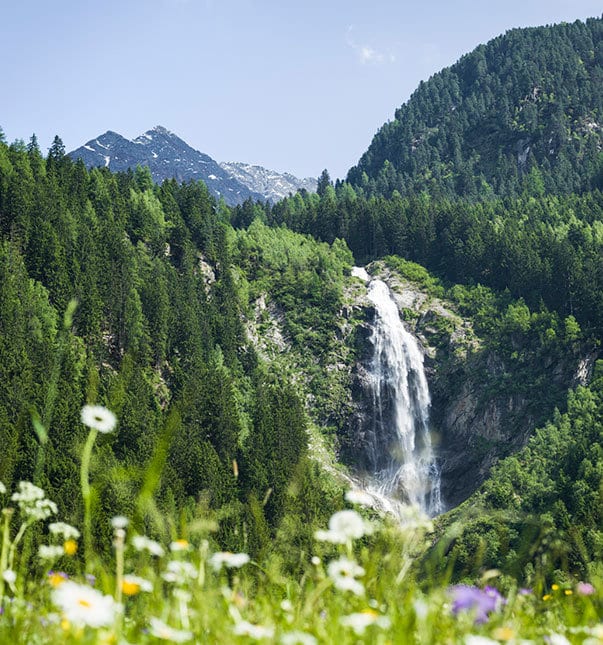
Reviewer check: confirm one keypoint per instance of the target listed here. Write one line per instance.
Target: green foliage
(515, 116)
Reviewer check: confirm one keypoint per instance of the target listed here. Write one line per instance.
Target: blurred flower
(82, 605)
(343, 572)
(286, 605)
(361, 620)
(99, 418)
(2, 489)
(585, 589)
(315, 560)
(356, 496)
(179, 572)
(503, 633)
(344, 526)
(70, 547)
(132, 585)
(227, 559)
(56, 578)
(50, 551)
(481, 601)
(472, 639)
(143, 543)
(119, 522)
(257, 632)
(10, 577)
(28, 493)
(298, 638)
(180, 545)
(159, 629)
(65, 530)
(32, 502)
(556, 639)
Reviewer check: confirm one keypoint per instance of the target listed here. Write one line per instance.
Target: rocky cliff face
(475, 418)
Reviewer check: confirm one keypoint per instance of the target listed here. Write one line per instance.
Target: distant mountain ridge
(272, 184)
(168, 156)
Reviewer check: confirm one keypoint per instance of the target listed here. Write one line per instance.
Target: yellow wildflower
(70, 547)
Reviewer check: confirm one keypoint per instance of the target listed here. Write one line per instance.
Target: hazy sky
(293, 86)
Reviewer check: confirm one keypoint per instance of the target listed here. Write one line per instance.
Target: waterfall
(399, 443)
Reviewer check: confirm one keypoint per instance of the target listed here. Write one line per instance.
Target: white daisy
(99, 418)
(132, 584)
(344, 572)
(82, 605)
(344, 526)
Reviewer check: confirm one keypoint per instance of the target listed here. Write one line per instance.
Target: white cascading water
(401, 455)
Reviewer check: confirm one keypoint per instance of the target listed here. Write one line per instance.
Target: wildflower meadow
(359, 583)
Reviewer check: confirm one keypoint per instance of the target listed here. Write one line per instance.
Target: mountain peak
(169, 157)
(159, 129)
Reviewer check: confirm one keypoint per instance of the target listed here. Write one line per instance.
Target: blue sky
(291, 86)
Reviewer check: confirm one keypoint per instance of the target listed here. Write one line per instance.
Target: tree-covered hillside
(522, 112)
(119, 292)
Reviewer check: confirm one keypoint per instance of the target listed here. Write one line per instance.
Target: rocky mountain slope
(167, 156)
(273, 185)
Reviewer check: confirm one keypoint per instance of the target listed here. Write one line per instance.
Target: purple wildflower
(585, 589)
(524, 591)
(481, 601)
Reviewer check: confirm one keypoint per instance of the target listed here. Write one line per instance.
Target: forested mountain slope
(522, 112)
(116, 291)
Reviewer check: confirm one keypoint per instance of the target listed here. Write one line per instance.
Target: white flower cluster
(67, 531)
(2, 489)
(32, 502)
(50, 552)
